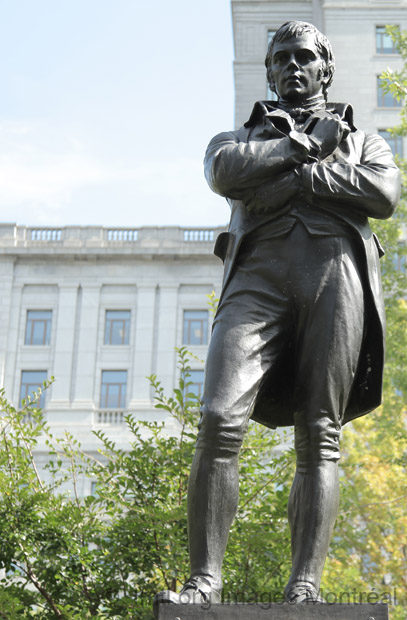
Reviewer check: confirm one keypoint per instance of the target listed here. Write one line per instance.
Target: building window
(195, 327)
(384, 42)
(386, 100)
(197, 379)
(117, 327)
(113, 389)
(394, 142)
(38, 327)
(31, 380)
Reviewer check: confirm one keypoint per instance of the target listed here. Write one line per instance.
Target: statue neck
(317, 102)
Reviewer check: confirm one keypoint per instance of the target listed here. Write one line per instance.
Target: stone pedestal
(273, 611)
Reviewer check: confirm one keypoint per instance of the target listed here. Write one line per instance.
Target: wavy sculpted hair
(296, 29)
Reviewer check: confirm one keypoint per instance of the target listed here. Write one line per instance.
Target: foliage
(395, 82)
(71, 557)
(213, 302)
(369, 552)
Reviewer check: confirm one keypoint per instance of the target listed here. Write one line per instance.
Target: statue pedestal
(273, 611)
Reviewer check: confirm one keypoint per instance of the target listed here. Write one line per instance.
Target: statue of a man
(298, 337)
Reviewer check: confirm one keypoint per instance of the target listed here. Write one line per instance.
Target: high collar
(264, 110)
(313, 104)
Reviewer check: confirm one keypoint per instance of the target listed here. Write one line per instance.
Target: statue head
(317, 69)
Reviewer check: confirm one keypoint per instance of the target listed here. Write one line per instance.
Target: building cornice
(96, 241)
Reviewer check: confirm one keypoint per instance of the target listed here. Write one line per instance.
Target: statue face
(297, 68)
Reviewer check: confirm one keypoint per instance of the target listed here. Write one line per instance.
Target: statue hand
(326, 133)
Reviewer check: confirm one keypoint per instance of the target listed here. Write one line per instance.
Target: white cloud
(42, 184)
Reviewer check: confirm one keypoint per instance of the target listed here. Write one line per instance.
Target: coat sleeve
(234, 168)
(370, 188)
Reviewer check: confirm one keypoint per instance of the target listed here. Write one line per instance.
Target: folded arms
(266, 174)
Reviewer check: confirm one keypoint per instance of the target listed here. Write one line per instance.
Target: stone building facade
(101, 309)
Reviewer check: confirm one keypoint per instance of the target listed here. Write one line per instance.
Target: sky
(106, 110)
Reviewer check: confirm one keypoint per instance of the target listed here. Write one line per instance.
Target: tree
(106, 555)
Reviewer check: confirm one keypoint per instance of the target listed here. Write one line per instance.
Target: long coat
(253, 168)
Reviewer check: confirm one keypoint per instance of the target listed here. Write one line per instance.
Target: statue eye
(279, 57)
(305, 56)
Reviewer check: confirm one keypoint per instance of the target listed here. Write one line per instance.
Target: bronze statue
(298, 338)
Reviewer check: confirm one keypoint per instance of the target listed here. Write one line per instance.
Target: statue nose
(293, 62)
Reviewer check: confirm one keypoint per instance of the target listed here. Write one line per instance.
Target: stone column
(64, 346)
(85, 349)
(10, 311)
(166, 332)
(318, 15)
(143, 346)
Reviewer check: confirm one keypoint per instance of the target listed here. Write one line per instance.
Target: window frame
(109, 330)
(191, 388)
(187, 327)
(29, 328)
(398, 142)
(380, 49)
(32, 386)
(382, 97)
(104, 391)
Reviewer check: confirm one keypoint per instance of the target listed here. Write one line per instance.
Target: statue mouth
(294, 78)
